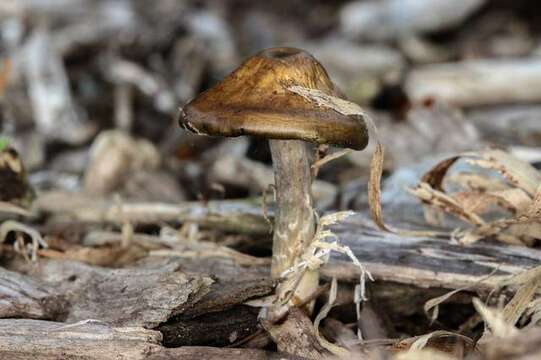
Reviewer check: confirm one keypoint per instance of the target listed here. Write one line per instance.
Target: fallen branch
(239, 216)
(478, 82)
(90, 339)
(24, 297)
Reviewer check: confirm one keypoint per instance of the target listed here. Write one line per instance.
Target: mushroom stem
(295, 223)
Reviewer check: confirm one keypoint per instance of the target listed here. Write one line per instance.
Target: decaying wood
(296, 335)
(424, 261)
(420, 261)
(239, 216)
(225, 269)
(409, 260)
(213, 353)
(212, 329)
(23, 297)
(218, 319)
(37, 339)
(22, 339)
(478, 82)
(224, 295)
(122, 297)
(188, 309)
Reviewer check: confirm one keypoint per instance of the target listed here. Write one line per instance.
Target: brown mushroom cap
(255, 100)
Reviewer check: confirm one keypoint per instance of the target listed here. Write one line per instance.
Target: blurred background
(89, 90)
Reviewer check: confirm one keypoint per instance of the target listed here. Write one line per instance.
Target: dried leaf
(434, 177)
(421, 342)
(483, 194)
(488, 230)
(512, 200)
(476, 182)
(440, 200)
(435, 302)
(516, 199)
(522, 278)
(514, 309)
(335, 349)
(435, 343)
(494, 319)
(495, 228)
(374, 187)
(527, 233)
(517, 172)
(323, 99)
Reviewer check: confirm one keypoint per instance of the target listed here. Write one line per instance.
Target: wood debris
(122, 236)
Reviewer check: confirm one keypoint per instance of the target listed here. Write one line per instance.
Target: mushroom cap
(255, 100)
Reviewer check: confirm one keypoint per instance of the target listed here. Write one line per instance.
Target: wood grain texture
(22, 339)
(296, 336)
(425, 261)
(36, 339)
(143, 297)
(24, 297)
(219, 318)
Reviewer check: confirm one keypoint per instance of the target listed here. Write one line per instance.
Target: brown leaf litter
(514, 195)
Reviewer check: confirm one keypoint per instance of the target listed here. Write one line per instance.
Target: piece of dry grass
(495, 321)
(448, 344)
(334, 349)
(432, 308)
(502, 322)
(515, 196)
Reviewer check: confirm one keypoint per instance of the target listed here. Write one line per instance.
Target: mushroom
(256, 99)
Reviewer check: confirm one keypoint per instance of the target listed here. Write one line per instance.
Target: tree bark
(22, 339)
(294, 224)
